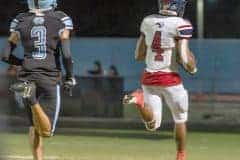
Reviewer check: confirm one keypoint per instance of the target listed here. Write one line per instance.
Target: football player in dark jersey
(45, 36)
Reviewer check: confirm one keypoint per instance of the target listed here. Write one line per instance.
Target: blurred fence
(95, 97)
(215, 90)
(218, 62)
(92, 97)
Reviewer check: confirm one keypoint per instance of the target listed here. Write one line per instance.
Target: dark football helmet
(177, 6)
(42, 4)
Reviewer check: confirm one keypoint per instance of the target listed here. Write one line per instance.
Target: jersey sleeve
(184, 29)
(14, 25)
(67, 22)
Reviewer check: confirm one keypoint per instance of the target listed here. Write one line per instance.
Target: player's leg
(50, 107)
(36, 144)
(34, 138)
(40, 119)
(41, 122)
(50, 101)
(137, 98)
(180, 136)
(177, 99)
(149, 106)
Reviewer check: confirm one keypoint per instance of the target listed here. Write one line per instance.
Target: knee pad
(180, 110)
(182, 102)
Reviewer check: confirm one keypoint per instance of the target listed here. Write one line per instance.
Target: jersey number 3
(40, 49)
(156, 46)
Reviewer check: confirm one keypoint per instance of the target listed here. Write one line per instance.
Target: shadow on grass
(116, 134)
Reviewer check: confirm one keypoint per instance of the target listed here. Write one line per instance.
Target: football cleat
(24, 89)
(135, 97)
(181, 155)
(151, 126)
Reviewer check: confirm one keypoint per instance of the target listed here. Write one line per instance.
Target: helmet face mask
(177, 6)
(41, 4)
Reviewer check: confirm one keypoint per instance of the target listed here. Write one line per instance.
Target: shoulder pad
(60, 14)
(65, 19)
(22, 15)
(153, 16)
(149, 17)
(184, 29)
(15, 22)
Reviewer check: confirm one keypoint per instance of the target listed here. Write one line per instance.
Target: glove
(68, 85)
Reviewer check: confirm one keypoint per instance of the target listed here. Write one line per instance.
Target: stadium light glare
(200, 19)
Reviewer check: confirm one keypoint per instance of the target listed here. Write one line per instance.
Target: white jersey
(161, 33)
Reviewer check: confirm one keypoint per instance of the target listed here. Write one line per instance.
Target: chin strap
(39, 12)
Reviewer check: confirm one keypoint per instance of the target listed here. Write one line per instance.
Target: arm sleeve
(184, 29)
(67, 21)
(8, 57)
(14, 25)
(67, 58)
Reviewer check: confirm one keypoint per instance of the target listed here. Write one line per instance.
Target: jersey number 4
(40, 47)
(156, 46)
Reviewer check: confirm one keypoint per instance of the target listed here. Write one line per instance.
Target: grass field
(90, 144)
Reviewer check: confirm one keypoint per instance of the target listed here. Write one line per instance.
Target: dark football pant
(48, 96)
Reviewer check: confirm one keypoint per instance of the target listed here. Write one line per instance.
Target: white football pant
(176, 98)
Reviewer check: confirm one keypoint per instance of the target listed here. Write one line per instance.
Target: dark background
(122, 18)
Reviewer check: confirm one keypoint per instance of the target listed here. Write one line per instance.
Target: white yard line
(16, 157)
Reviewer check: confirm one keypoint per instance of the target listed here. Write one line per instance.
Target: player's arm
(7, 52)
(66, 53)
(186, 57)
(70, 80)
(141, 48)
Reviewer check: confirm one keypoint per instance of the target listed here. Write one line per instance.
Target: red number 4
(156, 46)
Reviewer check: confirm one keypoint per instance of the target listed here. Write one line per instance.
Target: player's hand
(194, 71)
(69, 84)
(190, 69)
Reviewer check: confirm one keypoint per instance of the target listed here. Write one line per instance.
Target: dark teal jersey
(40, 38)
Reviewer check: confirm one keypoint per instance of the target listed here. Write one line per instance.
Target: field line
(16, 157)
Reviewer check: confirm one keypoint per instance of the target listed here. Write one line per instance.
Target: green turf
(128, 145)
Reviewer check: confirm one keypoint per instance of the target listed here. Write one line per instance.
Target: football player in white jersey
(163, 44)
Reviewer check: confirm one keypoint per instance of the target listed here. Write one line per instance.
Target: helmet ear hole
(173, 6)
